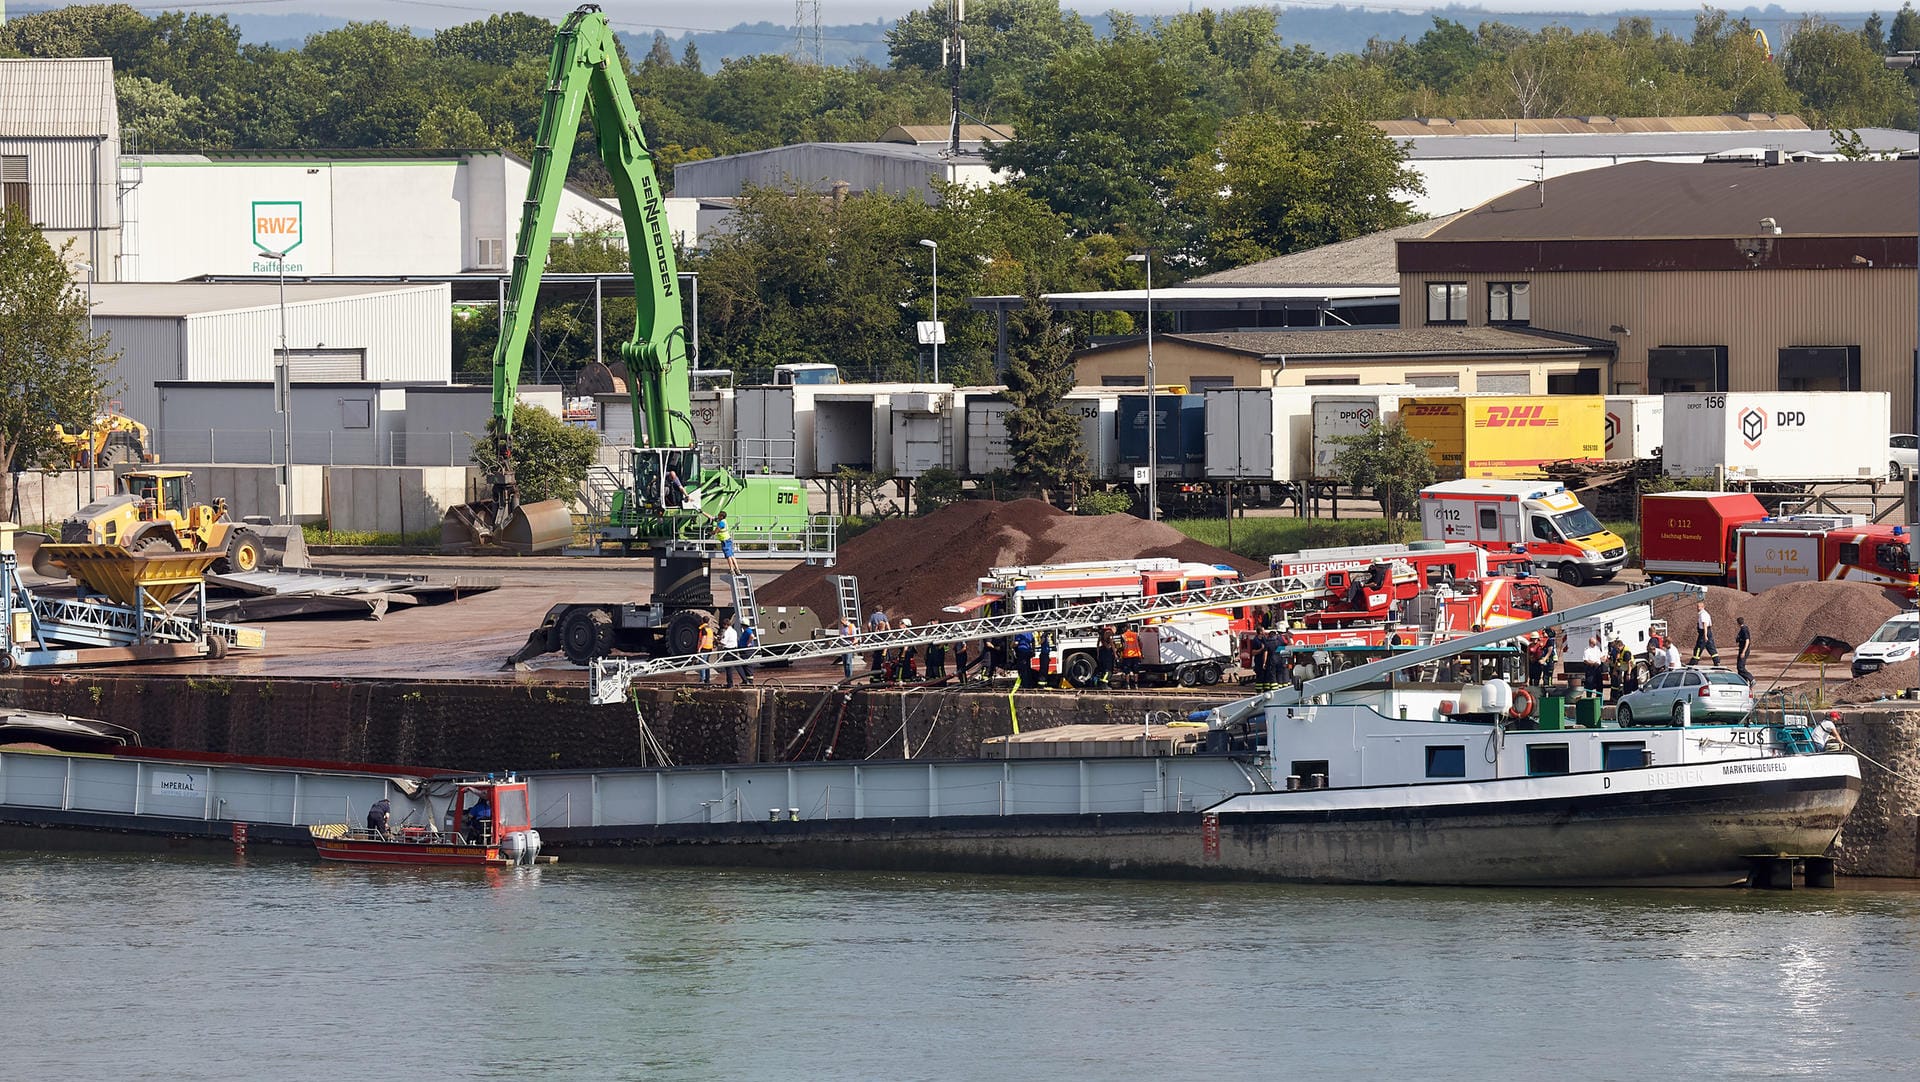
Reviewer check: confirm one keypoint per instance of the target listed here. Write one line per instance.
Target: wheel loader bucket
(282, 546)
(546, 526)
(26, 548)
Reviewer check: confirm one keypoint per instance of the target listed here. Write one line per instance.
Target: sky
(676, 16)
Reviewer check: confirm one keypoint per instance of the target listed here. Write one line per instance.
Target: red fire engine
(1193, 648)
(1372, 592)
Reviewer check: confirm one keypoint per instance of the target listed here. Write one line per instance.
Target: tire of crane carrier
(1523, 704)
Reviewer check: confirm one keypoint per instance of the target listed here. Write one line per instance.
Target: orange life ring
(1523, 703)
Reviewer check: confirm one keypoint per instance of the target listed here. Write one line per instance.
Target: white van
(1897, 640)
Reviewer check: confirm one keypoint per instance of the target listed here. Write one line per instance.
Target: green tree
(1904, 37)
(550, 457)
(498, 40)
(1102, 135)
(1043, 436)
(1390, 463)
(1843, 81)
(1276, 186)
(52, 370)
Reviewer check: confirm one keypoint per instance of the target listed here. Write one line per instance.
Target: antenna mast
(953, 57)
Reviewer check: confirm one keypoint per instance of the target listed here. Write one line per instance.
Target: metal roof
(1205, 298)
(54, 99)
(1583, 125)
(1363, 261)
(1647, 200)
(174, 300)
(938, 134)
(1640, 144)
(1385, 342)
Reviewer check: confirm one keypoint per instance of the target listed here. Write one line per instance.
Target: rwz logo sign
(1517, 417)
(277, 225)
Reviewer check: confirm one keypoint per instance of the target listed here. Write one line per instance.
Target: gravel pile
(916, 566)
(1785, 617)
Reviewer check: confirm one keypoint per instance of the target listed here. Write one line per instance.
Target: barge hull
(1696, 838)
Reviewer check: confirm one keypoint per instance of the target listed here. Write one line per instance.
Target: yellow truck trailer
(1506, 435)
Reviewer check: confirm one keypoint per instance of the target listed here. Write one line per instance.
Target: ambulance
(1542, 516)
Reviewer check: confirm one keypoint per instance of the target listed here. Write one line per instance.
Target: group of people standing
(1611, 663)
(1028, 656)
(734, 636)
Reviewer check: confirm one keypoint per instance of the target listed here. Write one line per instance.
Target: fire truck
(1368, 593)
(1192, 648)
(1727, 538)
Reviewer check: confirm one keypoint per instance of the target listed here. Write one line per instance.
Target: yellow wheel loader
(152, 514)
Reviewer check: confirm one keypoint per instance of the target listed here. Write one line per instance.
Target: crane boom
(586, 72)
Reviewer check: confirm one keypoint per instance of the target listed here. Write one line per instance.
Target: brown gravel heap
(1786, 617)
(915, 566)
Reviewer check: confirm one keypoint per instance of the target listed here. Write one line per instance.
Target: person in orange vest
(1130, 657)
(706, 647)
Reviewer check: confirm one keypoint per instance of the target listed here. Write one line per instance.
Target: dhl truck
(1542, 516)
(1506, 435)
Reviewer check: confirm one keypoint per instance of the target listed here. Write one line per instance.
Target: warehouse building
(906, 158)
(59, 145)
(230, 333)
(1491, 360)
(1750, 276)
(361, 212)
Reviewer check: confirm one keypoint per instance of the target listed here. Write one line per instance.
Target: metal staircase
(743, 599)
(611, 677)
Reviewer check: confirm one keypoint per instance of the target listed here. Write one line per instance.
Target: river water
(122, 968)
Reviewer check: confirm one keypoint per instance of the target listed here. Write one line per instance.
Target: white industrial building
(202, 333)
(1464, 163)
(59, 142)
(373, 212)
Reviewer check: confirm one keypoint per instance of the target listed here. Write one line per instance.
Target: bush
(1104, 503)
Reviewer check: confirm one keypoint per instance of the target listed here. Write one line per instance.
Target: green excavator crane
(668, 496)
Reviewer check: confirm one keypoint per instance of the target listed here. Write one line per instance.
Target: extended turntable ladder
(611, 677)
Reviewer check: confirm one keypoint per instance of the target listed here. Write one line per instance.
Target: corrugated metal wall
(812, 166)
(1755, 314)
(149, 348)
(66, 191)
(404, 333)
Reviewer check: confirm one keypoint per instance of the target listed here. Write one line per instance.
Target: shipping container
(1690, 534)
(773, 427)
(1778, 436)
(1349, 412)
(987, 450)
(919, 421)
(1506, 435)
(1633, 426)
(1180, 436)
(1257, 433)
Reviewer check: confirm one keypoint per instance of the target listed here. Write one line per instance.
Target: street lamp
(1911, 59)
(283, 390)
(95, 414)
(935, 249)
(1153, 417)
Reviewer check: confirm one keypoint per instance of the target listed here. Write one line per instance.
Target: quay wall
(1882, 836)
(502, 725)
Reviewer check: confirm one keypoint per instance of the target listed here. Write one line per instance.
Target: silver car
(1715, 693)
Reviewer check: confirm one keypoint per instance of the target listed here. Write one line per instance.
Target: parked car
(1903, 455)
(1897, 640)
(1714, 692)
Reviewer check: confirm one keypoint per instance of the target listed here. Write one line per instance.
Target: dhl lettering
(1517, 417)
